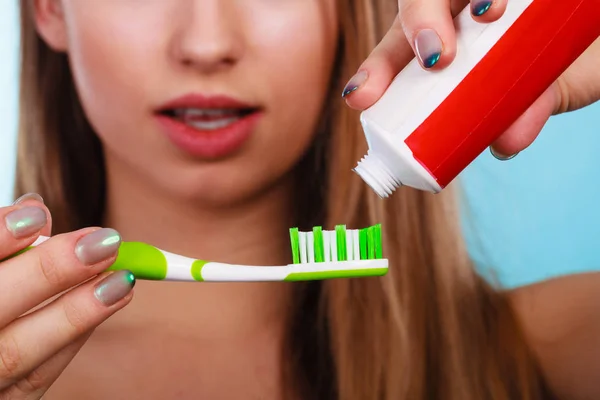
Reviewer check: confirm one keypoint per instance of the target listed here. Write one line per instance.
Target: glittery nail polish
(25, 221)
(502, 157)
(428, 46)
(355, 82)
(114, 287)
(480, 7)
(97, 246)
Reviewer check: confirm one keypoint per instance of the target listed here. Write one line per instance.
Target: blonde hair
(430, 329)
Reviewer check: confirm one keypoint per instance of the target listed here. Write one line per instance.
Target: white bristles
(326, 245)
(356, 244)
(302, 245)
(333, 248)
(306, 244)
(349, 245)
(310, 246)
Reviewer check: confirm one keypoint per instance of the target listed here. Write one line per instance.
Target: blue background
(525, 220)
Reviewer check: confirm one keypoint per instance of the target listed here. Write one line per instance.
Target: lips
(208, 127)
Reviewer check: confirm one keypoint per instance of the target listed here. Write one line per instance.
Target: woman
(106, 88)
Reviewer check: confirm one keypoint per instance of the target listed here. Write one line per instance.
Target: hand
(425, 27)
(41, 327)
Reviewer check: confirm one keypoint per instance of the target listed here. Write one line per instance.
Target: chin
(218, 186)
(157, 168)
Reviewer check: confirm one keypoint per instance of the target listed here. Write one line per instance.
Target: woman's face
(209, 99)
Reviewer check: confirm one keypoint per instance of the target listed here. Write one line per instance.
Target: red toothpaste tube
(430, 125)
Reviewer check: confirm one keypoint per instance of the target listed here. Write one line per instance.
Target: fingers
(378, 70)
(573, 90)
(53, 267)
(526, 129)
(36, 383)
(34, 199)
(429, 28)
(416, 31)
(486, 10)
(424, 28)
(23, 223)
(33, 339)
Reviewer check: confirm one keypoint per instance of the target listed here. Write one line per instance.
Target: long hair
(430, 329)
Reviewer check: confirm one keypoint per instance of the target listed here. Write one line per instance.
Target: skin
(561, 317)
(128, 58)
(230, 348)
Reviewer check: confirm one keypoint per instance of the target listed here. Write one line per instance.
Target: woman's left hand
(425, 27)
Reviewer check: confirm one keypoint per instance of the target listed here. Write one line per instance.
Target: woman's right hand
(425, 28)
(41, 327)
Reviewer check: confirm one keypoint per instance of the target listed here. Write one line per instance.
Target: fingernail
(29, 196)
(355, 82)
(500, 156)
(25, 221)
(428, 47)
(97, 246)
(114, 287)
(480, 7)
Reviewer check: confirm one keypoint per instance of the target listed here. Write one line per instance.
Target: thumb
(34, 199)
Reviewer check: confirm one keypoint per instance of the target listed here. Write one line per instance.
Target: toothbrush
(317, 255)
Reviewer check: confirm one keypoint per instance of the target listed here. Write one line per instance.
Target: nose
(209, 37)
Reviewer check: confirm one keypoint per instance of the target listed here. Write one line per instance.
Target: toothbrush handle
(219, 272)
(147, 262)
(144, 261)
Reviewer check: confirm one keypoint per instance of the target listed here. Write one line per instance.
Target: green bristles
(319, 248)
(295, 242)
(340, 233)
(369, 240)
(370, 243)
(378, 241)
(362, 240)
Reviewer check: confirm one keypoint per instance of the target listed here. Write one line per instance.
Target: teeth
(212, 125)
(205, 112)
(208, 119)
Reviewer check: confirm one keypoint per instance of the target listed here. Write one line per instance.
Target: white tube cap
(373, 170)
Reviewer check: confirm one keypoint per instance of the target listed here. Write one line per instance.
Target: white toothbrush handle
(151, 263)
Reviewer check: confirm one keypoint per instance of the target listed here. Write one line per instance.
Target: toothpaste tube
(430, 125)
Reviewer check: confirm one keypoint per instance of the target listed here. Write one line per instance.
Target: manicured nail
(29, 196)
(114, 287)
(355, 82)
(500, 156)
(97, 246)
(25, 221)
(480, 7)
(429, 47)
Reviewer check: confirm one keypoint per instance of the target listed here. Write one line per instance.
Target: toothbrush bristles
(377, 240)
(363, 243)
(295, 245)
(318, 238)
(371, 243)
(340, 244)
(340, 232)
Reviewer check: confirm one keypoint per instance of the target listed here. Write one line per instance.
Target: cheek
(296, 64)
(106, 60)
